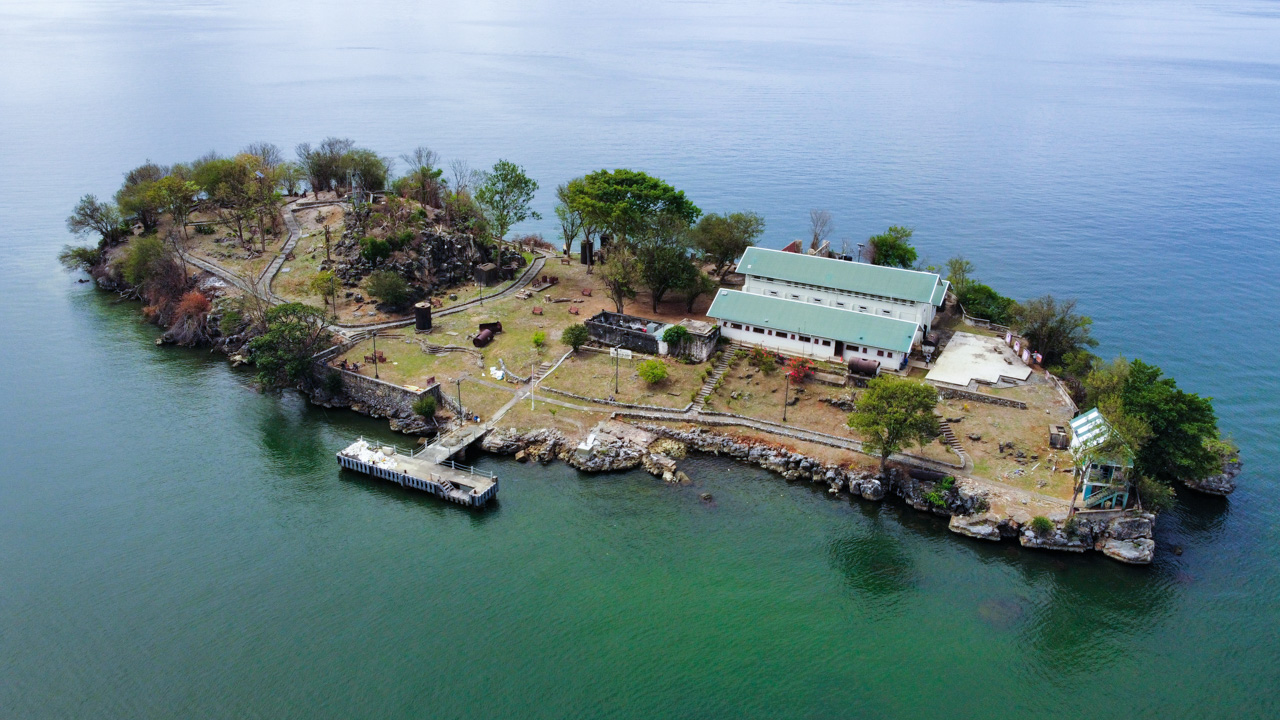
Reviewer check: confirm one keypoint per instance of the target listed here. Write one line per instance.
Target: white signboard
(620, 353)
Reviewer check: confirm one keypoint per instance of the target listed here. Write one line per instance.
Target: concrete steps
(717, 371)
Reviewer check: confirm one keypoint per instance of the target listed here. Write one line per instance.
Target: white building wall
(921, 313)
(783, 342)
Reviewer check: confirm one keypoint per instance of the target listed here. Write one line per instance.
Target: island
(646, 331)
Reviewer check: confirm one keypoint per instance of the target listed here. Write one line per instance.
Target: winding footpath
(261, 287)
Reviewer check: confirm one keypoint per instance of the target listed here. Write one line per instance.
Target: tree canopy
(628, 203)
(892, 248)
(1053, 328)
(283, 354)
(895, 412)
(723, 238)
(505, 196)
(92, 216)
(575, 336)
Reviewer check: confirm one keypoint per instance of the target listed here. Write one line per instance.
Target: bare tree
(464, 178)
(820, 226)
(422, 156)
(268, 153)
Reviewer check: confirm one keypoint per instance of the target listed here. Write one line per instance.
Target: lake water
(175, 544)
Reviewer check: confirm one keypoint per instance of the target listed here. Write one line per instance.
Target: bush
(206, 229)
(801, 369)
(231, 322)
(675, 335)
(333, 382)
(374, 250)
(1155, 495)
(75, 257)
(938, 496)
(763, 359)
(652, 371)
(388, 287)
(142, 260)
(575, 336)
(1072, 526)
(539, 339)
(425, 406)
(1041, 525)
(400, 239)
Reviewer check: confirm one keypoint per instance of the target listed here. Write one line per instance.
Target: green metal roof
(858, 328)
(940, 293)
(844, 275)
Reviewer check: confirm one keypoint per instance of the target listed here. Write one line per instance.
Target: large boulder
(983, 527)
(1131, 527)
(1223, 483)
(1135, 552)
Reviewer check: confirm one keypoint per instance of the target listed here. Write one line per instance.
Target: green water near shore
(174, 543)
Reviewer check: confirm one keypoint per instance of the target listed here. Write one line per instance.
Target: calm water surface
(175, 544)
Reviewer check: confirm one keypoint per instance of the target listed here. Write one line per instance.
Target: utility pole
(533, 383)
(616, 359)
(375, 354)
(786, 385)
(458, 382)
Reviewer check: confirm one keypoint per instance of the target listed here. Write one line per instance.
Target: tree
(505, 197)
(697, 285)
(893, 413)
(326, 285)
(365, 165)
(892, 248)
(79, 257)
(981, 301)
(820, 227)
(388, 287)
(652, 371)
(575, 336)
(283, 354)
(570, 219)
(92, 216)
(1183, 426)
(959, 274)
(464, 178)
(137, 199)
(629, 203)
(142, 260)
(324, 163)
(621, 274)
(423, 178)
(663, 256)
(267, 153)
(177, 197)
(675, 338)
(723, 238)
(1053, 328)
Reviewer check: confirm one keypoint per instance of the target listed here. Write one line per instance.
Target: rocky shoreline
(614, 446)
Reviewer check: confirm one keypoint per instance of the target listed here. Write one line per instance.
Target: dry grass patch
(760, 395)
(592, 375)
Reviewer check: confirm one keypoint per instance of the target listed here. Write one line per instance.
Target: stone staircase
(949, 439)
(541, 372)
(717, 371)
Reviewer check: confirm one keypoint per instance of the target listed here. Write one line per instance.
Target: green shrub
(78, 257)
(539, 339)
(333, 382)
(388, 287)
(763, 359)
(1072, 526)
(1155, 495)
(206, 229)
(142, 259)
(400, 239)
(374, 250)
(231, 322)
(575, 336)
(425, 406)
(1041, 525)
(652, 371)
(938, 496)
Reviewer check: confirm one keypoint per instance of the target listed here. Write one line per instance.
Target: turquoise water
(175, 543)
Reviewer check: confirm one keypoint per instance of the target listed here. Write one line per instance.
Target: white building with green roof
(794, 327)
(842, 285)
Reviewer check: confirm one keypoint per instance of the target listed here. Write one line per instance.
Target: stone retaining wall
(615, 403)
(955, 394)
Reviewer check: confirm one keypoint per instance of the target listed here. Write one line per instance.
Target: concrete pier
(425, 471)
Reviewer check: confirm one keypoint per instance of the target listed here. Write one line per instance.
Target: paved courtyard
(970, 358)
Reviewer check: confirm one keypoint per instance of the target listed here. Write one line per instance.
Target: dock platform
(425, 471)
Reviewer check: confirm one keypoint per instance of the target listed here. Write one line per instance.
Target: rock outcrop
(1223, 483)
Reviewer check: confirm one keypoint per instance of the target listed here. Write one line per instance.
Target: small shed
(1102, 462)
(487, 274)
(1059, 437)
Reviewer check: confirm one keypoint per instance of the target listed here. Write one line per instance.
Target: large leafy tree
(283, 354)
(665, 262)
(723, 238)
(893, 413)
(1181, 424)
(1053, 327)
(506, 195)
(178, 197)
(137, 197)
(892, 248)
(629, 203)
(620, 274)
(571, 225)
(91, 216)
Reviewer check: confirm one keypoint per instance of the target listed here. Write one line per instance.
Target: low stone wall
(615, 403)
(380, 399)
(954, 394)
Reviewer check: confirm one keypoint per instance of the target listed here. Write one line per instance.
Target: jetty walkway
(425, 470)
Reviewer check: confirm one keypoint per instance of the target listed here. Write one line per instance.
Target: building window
(839, 304)
(862, 308)
(773, 293)
(817, 300)
(880, 353)
(827, 343)
(889, 355)
(805, 338)
(793, 296)
(887, 312)
(757, 330)
(735, 326)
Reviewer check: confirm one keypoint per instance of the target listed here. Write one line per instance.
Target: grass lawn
(407, 364)
(574, 424)
(591, 374)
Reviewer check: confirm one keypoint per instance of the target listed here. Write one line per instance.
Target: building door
(840, 349)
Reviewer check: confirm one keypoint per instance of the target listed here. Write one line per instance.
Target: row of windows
(806, 286)
(835, 303)
(806, 339)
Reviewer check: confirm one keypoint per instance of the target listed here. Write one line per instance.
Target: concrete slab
(969, 358)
